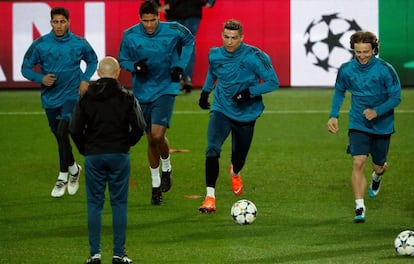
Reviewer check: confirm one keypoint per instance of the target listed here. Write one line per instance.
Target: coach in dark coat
(106, 122)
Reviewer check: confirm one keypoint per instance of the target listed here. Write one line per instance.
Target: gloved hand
(141, 67)
(177, 74)
(242, 96)
(203, 102)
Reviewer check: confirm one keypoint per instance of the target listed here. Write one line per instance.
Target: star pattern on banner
(332, 38)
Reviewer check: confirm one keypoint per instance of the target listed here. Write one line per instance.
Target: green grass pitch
(296, 173)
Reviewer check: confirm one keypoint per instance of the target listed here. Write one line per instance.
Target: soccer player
(106, 122)
(188, 13)
(150, 51)
(375, 91)
(239, 74)
(59, 54)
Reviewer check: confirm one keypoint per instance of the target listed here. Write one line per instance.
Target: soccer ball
(327, 41)
(404, 243)
(244, 212)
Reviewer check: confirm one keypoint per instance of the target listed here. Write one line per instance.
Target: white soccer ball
(404, 243)
(244, 212)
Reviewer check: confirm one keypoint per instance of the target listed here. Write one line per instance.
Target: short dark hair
(233, 24)
(148, 7)
(365, 37)
(59, 11)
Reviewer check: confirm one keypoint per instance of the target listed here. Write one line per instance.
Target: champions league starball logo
(327, 41)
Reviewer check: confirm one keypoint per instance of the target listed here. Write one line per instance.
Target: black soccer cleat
(156, 198)
(166, 181)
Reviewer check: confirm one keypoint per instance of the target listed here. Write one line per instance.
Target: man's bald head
(108, 68)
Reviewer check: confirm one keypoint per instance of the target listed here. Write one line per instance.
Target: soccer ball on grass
(404, 243)
(244, 212)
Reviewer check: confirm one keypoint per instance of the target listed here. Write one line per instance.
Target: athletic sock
(359, 203)
(73, 169)
(155, 175)
(211, 192)
(63, 176)
(166, 164)
(376, 177)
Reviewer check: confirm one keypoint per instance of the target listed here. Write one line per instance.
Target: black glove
(141, 68)
(242, 97)
(203, 102)
(177, 74)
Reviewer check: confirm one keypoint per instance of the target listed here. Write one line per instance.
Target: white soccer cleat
(59, 189)
(74, 182)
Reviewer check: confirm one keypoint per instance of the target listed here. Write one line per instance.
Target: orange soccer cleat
(208, 206)
(236, 182)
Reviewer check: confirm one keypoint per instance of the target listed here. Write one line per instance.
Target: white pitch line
(321, 111)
